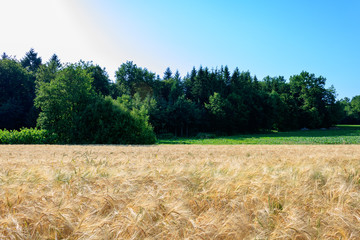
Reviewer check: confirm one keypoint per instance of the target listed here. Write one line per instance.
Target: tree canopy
(80, 104)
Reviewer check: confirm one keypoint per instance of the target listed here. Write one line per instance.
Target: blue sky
(265, 37)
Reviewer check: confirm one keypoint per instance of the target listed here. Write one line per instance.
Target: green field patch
(341, 134)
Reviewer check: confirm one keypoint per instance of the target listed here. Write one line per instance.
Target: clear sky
(262, 36)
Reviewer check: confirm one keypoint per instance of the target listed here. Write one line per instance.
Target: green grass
(343, 134)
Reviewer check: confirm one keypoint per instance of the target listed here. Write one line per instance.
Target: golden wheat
(180, 192)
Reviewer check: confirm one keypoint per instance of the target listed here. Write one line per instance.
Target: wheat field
(180, 192)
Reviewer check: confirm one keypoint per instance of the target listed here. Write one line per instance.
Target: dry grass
(177, 192)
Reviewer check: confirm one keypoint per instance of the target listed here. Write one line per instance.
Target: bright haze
(265, 37)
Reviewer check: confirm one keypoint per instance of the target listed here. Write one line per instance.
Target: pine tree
(177, 75)
(4, 56)
(167, 74)
(55, 60)
(31, 61)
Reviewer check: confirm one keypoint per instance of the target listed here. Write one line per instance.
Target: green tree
(246, 102)
(177, 76)
(201, 90)
(280, 103)
(16, 95)
(71, 108)
(62, 100)
(277, 84)
(167, 74)
(238, 114)
(350, 110)
(189, 83)
(55, 61)
(4, 56)
(101, 81)
(226, 75)
(314, 102)
(355, 105)
(131, 79)
(48, 71)
(31, 61)
(216, 108)
(108, 121)
(184, 117)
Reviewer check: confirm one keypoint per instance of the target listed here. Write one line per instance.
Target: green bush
(27, 136)
(72, 109)
(105, 121)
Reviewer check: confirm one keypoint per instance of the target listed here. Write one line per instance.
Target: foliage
(72, 109)
(205, 100)
(16, 95)
(31, 61)
(101, 81)
(131, 79)
(27, 136)
(216, 108)
(108, 121)
(350, 110)
(62, 100)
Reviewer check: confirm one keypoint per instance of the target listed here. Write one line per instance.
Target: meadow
(180, 192)
(341, 134)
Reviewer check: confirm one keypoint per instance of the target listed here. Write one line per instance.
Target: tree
(31, 61)
(277, 84)
(62, 100)
(16, 95)
(312, 99)
(189, 83)
(247, 103)
(183, 117)
(355, 105)
(238, 114)
(48, 71)
(101, 81)
(4, 56)
(201, 86)
(226, 75)
(351, 110)
(167, 74)
(216, 108)
(55, 61)
(177, 76)
(108, 121)
(131, 79)
(71, 108)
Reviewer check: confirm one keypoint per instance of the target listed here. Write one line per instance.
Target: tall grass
(178, 192)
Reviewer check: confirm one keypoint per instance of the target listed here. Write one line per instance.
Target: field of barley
(180, 192)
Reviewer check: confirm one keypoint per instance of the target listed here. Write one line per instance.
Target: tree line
(80, 104)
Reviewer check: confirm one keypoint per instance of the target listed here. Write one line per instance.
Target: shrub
(27, 136)
(107, 122)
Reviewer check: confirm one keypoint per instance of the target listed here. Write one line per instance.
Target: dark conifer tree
(177, 76)
(31, 61)
(55, 60)
(167, 74)
(4, 56)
